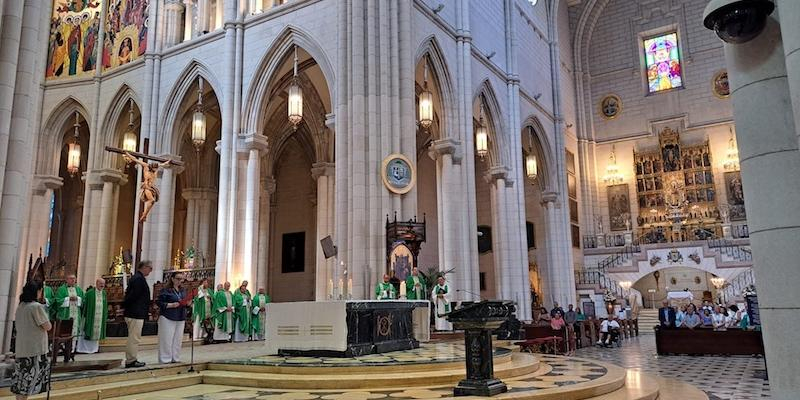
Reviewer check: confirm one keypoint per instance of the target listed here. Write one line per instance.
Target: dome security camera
(737, 21)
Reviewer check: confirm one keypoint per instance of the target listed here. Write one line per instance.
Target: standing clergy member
(385, 290)
(49, 301)
(201, 310)
(260, 314)
(415, 286)
(69, 300)
(95, 315)
(441, 294)
(243, 305)
(223, 313)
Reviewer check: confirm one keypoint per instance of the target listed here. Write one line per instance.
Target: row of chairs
(544, 339)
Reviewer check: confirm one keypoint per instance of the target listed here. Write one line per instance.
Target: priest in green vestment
(69, 302)
(260, 314)
(223, 313)
(95, 314)
(416, 288)
(243, 307)
(49, 301)
(385, 290)
(442, 297)
(201, 309)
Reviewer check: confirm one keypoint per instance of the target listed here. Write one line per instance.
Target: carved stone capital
(322, 169)
(96, 178)
(330, 121)
(446, 146)
(269, 184)
(251, 141)
(42, 183)
(495, 173)
(550, 199)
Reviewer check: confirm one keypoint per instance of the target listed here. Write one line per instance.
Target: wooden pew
(734, 341)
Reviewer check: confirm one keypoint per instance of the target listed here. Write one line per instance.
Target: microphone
(470, 293)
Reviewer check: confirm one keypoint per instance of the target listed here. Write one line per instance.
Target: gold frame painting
(603, 101)
(385, 171)
(717, 84)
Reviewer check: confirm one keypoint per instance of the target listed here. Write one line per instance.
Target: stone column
(110, 179)
(769, 158)
(10, 31)
(323, 173)
(268, 185)
(558, 280)
(43, 187)
(497, 176)
(790, 30)
(254, 144)
(159, 223)
(190, 19)
(175, 30)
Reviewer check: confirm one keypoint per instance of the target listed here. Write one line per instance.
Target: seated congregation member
(543, 319)
(692, 319)
(31, 365)
(385, 290)
(95, 314)
(732, 321)
(719, 319)
(680, 315)
(260, 314)
(242, 304)
(609, 331)
(579, 315)
(556, 308)
(706, 318)
(172, 303)
(557, 322)
(223, 313)
(666, 315)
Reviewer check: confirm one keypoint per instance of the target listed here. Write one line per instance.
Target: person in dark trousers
(137, 305)
(666, 316)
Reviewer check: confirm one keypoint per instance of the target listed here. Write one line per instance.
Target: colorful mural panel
(126, 32)
(74, 30)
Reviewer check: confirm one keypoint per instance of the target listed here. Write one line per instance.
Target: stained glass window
(663, 63)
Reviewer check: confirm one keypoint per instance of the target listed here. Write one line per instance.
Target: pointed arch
(49, 151)
(167, 138)
(432, 51)
(493, 118)
(118, 107)
(257, 94)
(534, 138)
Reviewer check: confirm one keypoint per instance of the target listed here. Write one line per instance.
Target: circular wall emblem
(398, 173)
(610, 106)
(720, 85)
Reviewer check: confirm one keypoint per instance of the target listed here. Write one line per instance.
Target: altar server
(223, 313)
(416, 287)
(69, 301)
(260, 314)
(201, 309)
(385, 290)
(441, 294)
(95, 315)
(243, 306)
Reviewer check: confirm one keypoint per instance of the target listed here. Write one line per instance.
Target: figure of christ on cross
(149, 195)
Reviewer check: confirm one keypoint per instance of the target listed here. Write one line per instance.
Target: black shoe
(135, 364)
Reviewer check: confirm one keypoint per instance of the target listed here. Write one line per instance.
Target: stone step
(117, 389)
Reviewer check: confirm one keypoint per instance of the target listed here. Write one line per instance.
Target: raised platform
(428, 372)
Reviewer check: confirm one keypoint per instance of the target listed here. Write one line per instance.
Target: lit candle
(330, 288)
(350, 287)
(341, 287)
(403, 289)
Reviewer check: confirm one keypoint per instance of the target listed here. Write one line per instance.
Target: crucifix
(149, 191)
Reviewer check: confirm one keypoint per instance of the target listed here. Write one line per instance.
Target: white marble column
(199, 203)
(768, 154)
(110, 180)
(496, 176)
(323, 173)
(189, 20)
(173, 17)
(790, 32)
(262, 273)
(254, 144)
(43, 187)
(9, 57)
(159, 223)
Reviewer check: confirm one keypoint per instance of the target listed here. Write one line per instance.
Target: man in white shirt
(609, 330)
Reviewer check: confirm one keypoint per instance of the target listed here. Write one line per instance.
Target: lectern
(478, 320)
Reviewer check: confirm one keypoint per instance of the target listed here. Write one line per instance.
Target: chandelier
(129, 138)
(613, 176)
(199, 120)
(295, 98)
(531, 167)
(425, 101)
(481, 137)
(74, 151)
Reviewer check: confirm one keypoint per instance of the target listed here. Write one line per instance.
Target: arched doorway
(536, 183)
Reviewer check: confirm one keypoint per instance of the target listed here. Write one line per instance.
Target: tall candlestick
(403, 289)
(350, 288)
(330, 288)
(341, 288)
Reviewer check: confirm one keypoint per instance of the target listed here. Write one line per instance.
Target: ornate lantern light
(199, 120)
(129, 138)
(531, 167)
(625, 285)
(613, 176)
(732, 156)
(481, 137)
(425, 102)
(295, 98)
(74, 151)
(718, 282)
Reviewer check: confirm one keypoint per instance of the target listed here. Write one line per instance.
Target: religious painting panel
(293, 250)
(74, 31)
(401, 261)
(733, 184)
(126, 32)
(671, 154)
(619, 207)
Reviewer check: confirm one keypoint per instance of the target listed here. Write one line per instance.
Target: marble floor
(722, 378)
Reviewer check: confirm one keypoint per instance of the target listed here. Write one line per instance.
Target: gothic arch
(534, 138)
(431, 49)
(49, 151)
(167, 138)
(258, 93)
(582, 38)
(118, 108)
(493, 118)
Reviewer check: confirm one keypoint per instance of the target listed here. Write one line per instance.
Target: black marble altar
(478, 320)
(373, 327)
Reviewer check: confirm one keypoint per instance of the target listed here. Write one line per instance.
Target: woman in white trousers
(172, 302)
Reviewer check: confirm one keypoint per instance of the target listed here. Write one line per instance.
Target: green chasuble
(49, 300)
(385, 291)
(95, 314)
(414, 292)
(260, 301)
(224, 320)
(67, 309)
(243, 307)
(202, 303)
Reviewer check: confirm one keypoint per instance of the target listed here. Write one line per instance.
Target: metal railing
(597, 277)
(736, 286)
(730, 249)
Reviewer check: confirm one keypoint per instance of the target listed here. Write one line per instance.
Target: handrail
(736, 286)
(730, 249)
(597, 277)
